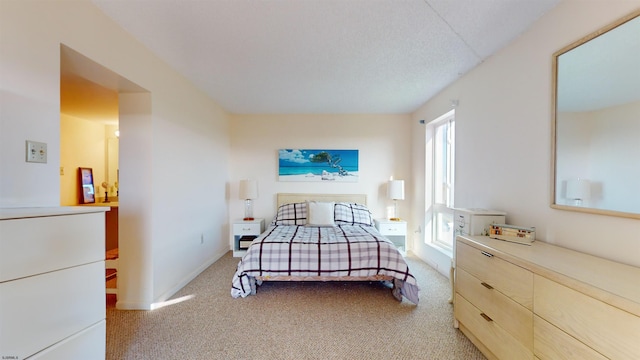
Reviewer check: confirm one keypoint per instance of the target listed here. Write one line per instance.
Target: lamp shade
(578, 189)
(396, 189)
(248, 189)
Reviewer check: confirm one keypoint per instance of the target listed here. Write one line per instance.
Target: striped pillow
(291, 214)
(352, 214)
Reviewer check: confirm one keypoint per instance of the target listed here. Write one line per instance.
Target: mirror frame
(554, 101)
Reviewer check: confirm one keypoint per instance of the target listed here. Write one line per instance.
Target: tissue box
(517, 234)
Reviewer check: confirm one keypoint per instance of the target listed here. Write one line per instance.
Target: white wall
(82, 144)
(503, 136)
(173, 165)
(382, 141)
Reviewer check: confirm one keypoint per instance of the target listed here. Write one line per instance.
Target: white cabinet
(242, 234)
(52, 297)
(395, 230)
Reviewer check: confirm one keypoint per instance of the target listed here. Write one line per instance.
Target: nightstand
(243, 233)
(396, 231)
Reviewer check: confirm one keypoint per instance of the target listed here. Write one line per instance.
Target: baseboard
(169, 293)
(121, 305)
(187, 279)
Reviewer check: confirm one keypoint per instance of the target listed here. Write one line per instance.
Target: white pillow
(320, 213)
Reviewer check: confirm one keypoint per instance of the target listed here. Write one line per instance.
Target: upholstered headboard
(284, 198)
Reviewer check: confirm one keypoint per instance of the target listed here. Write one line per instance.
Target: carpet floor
(292, 320)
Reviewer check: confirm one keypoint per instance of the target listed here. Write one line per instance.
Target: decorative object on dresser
(545, 302)
(338, 243)
(248, 192)
(105, 186)
(395, 192)
(516, 234)
(85, 183)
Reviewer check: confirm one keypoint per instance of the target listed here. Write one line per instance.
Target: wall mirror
(596, 122)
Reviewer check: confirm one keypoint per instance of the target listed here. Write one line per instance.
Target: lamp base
(248, 210)
(394, 219)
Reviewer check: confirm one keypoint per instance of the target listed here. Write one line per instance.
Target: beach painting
(318, 165)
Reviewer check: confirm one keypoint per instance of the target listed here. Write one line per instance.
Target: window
(440, 170)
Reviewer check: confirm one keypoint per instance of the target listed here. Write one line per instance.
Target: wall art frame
(318, 165)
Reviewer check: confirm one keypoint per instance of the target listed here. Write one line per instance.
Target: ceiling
(324, 56)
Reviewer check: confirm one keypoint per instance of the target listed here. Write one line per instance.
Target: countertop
(29, 212)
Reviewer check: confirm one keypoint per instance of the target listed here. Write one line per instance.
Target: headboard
(284, 198)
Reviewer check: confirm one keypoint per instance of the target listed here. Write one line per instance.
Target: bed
(322, 237)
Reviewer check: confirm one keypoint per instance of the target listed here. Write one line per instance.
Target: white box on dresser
(52, 297)
(584, 307)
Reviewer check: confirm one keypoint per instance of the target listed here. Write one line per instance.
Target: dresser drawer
(606, 329)
(247, 229)
(89, 343)
(511, 316)
(490, 333)
(511, 280)
(57, 305)
(37, 245)
(551, 343)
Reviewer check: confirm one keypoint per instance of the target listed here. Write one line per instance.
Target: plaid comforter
(343, 250)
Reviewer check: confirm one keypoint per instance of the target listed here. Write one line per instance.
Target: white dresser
(545, 302)
(52, 297)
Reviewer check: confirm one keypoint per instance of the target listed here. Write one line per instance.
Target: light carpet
(291, 320)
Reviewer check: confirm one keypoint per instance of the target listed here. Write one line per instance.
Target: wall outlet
(36, 152)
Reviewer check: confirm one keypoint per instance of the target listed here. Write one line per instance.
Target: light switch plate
(36, 152)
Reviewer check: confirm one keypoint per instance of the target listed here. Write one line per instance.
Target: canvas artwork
(318, 165)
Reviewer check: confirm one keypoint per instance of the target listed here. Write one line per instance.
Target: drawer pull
(486, 317)
(487, 254)
(486, 285)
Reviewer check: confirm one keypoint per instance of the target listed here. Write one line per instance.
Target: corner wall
(176, 187)
(503, 137)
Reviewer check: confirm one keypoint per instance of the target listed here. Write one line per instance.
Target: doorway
(90, 127)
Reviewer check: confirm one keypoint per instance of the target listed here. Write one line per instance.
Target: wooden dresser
(543, 302)
(52, 297)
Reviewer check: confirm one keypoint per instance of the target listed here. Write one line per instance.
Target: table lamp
(248, 192)
(396, 192)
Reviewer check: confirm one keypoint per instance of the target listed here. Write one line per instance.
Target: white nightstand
(242, 234)
(396, 231)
